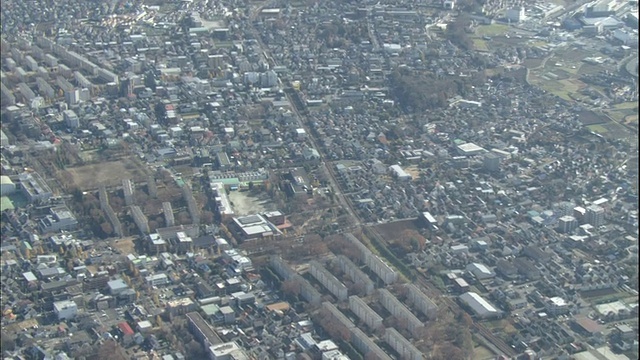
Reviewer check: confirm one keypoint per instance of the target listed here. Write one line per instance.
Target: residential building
(65, 309)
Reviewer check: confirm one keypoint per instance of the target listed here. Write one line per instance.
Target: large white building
(479, 305)
(6, 185)
(399, 173)
(71, 119)
(34, 187)
(255, 226)
(65, 309)
(516, 15)
(594, 215)
(227, 351)
(480, 271)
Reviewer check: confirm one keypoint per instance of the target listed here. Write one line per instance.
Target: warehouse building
(479, 305)
(480, 271)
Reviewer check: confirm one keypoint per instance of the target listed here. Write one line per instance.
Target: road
(478, 329)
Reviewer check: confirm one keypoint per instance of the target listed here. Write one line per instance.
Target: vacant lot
(392, 231)
(125, 246)
(110, 173)
(597, 293)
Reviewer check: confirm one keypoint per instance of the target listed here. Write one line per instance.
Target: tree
(291, 287)
(413, 238)
(195, 350)
(207, 217)
(457, 32)
(8, 342)
(447, 351)
(183, 218)
(106, 228)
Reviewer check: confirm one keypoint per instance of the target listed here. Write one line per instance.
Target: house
(127, 332)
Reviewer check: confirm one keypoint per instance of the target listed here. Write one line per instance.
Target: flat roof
(210, 309)
(29, 276)
(6, 203)
(587, 324)
(470, 147)
(279, 306)
(257, 229)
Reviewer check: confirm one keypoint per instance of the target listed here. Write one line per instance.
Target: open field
(564, 89)
(621, 115)
(598, 129)
(618, 131)
(492, 30)
(111, 173)
(480, 45)
(631, 120)
(482, 353)
(532, 63)
(503, 325)
(631, 105)
(588, 117)
(245, 203)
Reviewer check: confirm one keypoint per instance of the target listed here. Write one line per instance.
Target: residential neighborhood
(434, 179)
